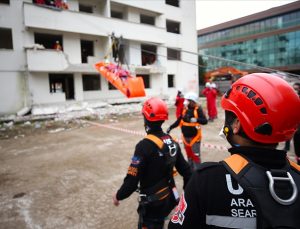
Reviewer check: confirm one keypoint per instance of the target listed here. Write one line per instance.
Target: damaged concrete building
(35, 72)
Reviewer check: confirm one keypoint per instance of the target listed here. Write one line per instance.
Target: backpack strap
(294, 165)
(255, 180)
(156, 140)
(236, 163)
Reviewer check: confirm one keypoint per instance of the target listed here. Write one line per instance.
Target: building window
(6, 41)
(49, 41)
(62, 83)
(87, 49)
(91, 82)
(4, 2)
(173, 2)
(146, 79)
(145, 19)
(171, 80)
(173, 54)
(116, 14)
(148, 54)
(85, 8)
(173, 27)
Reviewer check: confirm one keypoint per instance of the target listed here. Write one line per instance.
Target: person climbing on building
(190, 121)
(211, 93)
(257, 186)
(179, 103)
(151, 169)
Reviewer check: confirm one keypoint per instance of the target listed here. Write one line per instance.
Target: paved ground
(62, 175)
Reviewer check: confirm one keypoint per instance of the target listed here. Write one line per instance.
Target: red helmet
(154, 109)
(266, 105)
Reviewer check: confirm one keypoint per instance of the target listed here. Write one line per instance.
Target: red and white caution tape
(115, 128)
(139, 133)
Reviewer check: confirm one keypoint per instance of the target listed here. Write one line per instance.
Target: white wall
(72, 47)
(78, 87)
(40, 90)
(12, 62)
(12, 92)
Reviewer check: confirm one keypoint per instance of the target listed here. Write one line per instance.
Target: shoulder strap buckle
(289, 178)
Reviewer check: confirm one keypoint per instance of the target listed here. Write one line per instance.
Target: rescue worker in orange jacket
(189, 121)
(151, 169)
(257, 186)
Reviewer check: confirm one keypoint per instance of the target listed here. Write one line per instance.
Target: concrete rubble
(65, 112)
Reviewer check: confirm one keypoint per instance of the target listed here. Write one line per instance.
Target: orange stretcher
(129, 85)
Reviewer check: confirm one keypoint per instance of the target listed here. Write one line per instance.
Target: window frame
(95, 80)
(9, 45)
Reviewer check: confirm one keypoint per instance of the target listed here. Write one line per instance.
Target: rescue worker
(211, 96)
(189, 121)
(151, 169)
(57, 46)
(257, 186)
(179, 103)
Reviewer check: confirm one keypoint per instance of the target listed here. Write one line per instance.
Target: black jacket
(190, 131)
(147, 168)
(213, 199)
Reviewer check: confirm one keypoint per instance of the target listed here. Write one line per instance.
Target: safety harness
(273, 210)
(191, 124)
(164, 187)
(161, 190)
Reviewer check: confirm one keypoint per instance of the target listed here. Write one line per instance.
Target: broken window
(173, 2)
(173, 27)
(91, 82)
(145, 19)
(85, 8)
(49, 41)
(171, 78)
(6, 41)
(173, 54)
(148, 54)
(146, 79)
(87, 49)
(62, 83)
(116, 14)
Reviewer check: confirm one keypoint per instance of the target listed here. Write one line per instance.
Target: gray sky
(213, 12)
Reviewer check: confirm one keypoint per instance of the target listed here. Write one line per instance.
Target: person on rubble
(257, 186)
(151, 169)
(190, 121)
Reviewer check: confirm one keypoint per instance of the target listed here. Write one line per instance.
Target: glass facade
(270, 51)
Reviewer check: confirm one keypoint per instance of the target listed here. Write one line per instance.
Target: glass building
(268, 39)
